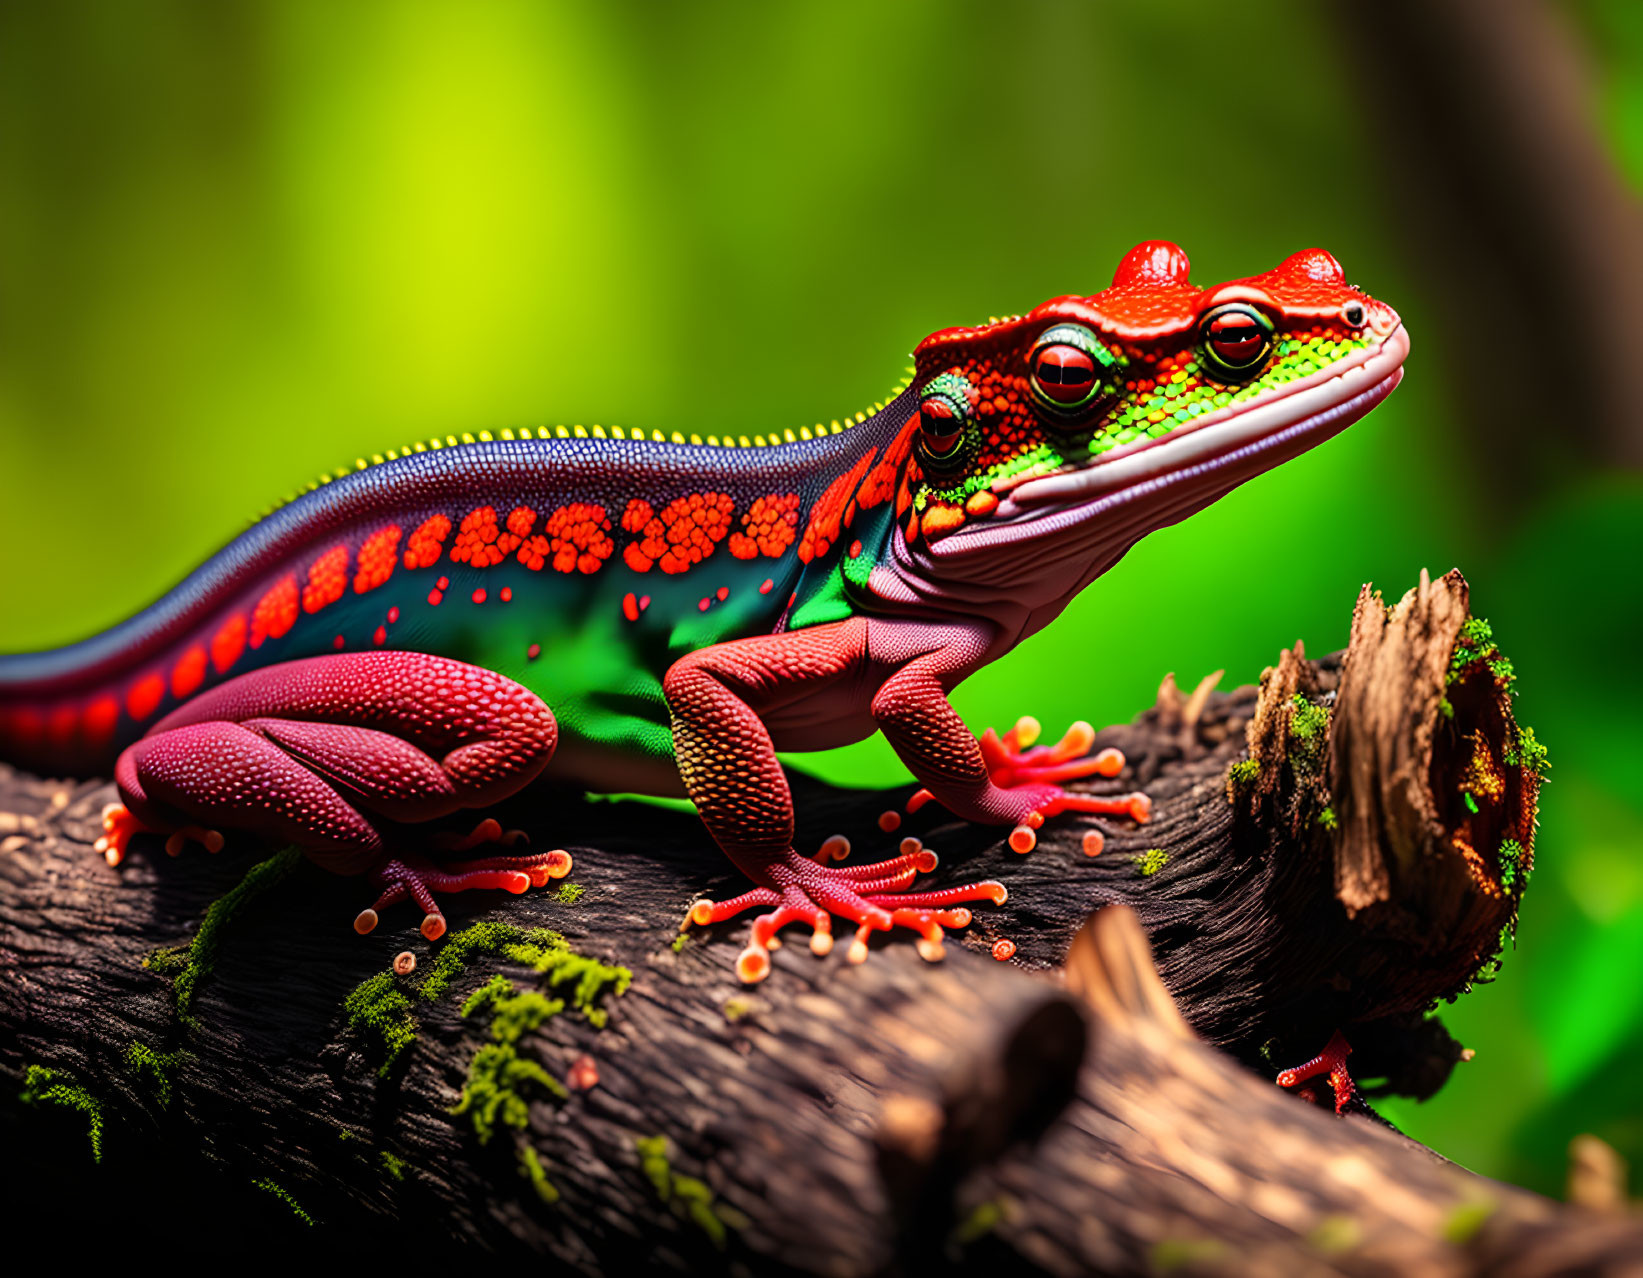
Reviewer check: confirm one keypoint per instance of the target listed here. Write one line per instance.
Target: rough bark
(834, 1119)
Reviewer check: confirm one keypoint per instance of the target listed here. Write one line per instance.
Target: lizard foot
(1330, 1065)
(871, 896)
(420, 879)
(118, 826)
(487, 831)
(120, 823)
(1018, 766)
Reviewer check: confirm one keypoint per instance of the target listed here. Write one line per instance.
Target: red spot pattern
(144, 697)
(683, 535)
(911, 478)
(24, 725)
(630, 607)
(427, 542)
(480, 542)
(768, 528)
(61, 724)
(228, 643)
(377, 558)
(100, 719)
(380, 636)
(829, 513)
(520, 521)
(189, 672)
(327, 579)
(881, 480)
(276, 612)
(576, 538)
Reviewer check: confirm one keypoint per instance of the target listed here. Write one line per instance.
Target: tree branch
(833, 1119)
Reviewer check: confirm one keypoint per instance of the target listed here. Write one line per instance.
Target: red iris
(1236, 339)
(941, 425)
(1064, 373)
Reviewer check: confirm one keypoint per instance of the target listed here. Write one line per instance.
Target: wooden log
(210, 1019)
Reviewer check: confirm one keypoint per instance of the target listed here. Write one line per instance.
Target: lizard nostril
(1353, 314)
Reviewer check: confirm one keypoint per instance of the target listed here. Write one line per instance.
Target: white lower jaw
(1196, 445)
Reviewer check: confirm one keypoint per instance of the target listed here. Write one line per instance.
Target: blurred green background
(242, 244)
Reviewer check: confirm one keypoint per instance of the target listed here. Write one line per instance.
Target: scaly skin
(447, 624)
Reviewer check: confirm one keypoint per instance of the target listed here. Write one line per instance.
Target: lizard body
(631, 613)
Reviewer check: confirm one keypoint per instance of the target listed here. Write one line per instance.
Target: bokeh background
(240, 244)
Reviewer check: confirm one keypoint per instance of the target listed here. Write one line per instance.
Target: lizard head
(1145, 401)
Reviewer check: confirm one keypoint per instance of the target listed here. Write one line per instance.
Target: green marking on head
(1083, 377)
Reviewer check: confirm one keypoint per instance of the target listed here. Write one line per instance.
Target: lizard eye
(1065, 367)
(943, 416)
(1237, 339)
(941, 425)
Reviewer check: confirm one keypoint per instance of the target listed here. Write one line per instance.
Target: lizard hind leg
(339, 756)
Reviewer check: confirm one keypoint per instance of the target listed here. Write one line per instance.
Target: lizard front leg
(337, 755)
(991, 780)
(719, 698)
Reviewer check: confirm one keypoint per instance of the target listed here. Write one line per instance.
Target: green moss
(569, 893)
(1525, 751)
(1470, 802)
(737, 1007)
(1245, 772)
(1514, 874)
(587, 978)
(982, 1220)
(689, 1197)
(1306, 720)
(187, 966)
(392, 1164)
(530, 1167)
(494, 990)
(1328, 819)
(45, 1086)
(1475, 643)
(378, 1008)
(499, 1078)
(653, 1161)
(1446, 708)
(680, 941)
(1308, 732)
(269, 1186)
(523, 945)
(1463, 1223)
(1170, 1254)
(144, 1061)
(1151, 861)
(1335, 1234)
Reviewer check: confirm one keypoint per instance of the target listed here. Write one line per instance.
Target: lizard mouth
(1231, 445)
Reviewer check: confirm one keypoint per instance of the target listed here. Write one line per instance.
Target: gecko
(625, 610)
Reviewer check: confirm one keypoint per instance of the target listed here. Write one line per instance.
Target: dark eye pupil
(1236, 338)
(1065, 373)
(940, 424)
